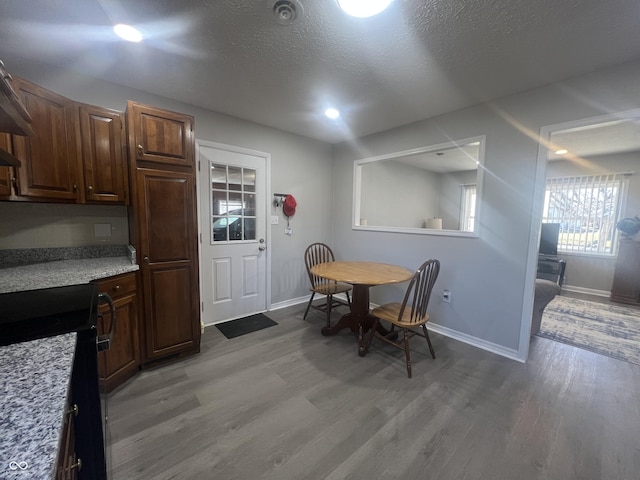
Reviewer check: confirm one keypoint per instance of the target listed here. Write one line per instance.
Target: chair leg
(329, 304)
(406, 351)
(348, 299)
(309, 305)
(426, 335)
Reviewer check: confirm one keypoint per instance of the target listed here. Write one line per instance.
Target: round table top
(362, 273)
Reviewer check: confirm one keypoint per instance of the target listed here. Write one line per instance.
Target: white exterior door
(233, 219)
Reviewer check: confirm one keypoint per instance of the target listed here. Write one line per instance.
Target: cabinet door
(50, 166)
(167, 230)
(6, 173)
(160, 136)
(122, 360)
(103, 159)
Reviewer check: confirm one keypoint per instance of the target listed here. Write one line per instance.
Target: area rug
(242, 326)
(612, 330)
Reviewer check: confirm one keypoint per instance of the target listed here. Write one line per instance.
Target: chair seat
(331, 288)
(391, 313)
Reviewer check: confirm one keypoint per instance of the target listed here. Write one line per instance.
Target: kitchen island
(34, 385)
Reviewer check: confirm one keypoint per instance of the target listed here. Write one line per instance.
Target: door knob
(262, 248)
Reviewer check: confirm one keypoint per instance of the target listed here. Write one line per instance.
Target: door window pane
(219, 176)
(249, 179)
(235, 178)
(218, 202)
(233, 203)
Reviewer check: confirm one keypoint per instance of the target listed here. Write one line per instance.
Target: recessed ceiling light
(332, 113)
(127, 32)
(363, 8)
(562, 151)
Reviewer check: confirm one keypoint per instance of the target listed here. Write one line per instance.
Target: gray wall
(398, 195)
(299, 165)
(596, 273)
(490, 277)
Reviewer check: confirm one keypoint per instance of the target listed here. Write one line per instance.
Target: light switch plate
(275, 220)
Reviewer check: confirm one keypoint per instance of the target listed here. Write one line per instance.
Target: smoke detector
(286, 12)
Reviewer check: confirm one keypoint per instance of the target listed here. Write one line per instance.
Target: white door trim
(267, 213)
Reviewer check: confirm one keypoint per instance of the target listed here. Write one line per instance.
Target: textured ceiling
(418, 59)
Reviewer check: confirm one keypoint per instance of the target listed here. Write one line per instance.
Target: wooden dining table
(361, 275)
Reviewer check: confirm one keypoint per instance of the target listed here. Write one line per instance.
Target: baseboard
(289, 303)
(477, 342)
(586, 291)
(299, 300)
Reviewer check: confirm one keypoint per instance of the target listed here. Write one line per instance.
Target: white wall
(491, 277)
(300, 166)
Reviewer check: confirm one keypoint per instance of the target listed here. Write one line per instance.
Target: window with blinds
(587, 209)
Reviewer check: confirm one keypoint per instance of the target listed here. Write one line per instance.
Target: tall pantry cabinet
(164, 228)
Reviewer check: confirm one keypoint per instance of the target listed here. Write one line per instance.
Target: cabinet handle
(116, 288)
(77, 465)
(145, 259)
(140, 149)
(75, 187)
(90, 188)
(73, 410)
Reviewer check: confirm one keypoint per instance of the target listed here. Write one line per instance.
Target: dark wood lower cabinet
(122, 360)
(169, 262)
(67, 462)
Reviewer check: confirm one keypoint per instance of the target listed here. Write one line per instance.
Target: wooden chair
(411, 313)
(320, 253)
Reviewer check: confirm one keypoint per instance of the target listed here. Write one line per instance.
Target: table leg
(358, 320)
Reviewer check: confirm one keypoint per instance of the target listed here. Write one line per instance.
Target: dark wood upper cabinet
(50, 166)
(6, 173)
(103, 155)
(161, 136)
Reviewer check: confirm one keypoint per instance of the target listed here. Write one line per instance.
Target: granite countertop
(62, 273)
(34, 383)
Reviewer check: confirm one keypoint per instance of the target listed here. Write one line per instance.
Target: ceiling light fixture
(127, 32)
(332, 113)
(562, 151)
(363, 8)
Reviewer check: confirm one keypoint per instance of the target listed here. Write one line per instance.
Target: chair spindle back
(419, 290)
(315, 254)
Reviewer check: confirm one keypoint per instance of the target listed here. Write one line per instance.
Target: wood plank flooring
(287, 403)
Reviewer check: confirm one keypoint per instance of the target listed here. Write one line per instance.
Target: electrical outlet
(275, 219)
(446, 296)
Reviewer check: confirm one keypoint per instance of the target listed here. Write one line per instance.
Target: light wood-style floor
(286, 403)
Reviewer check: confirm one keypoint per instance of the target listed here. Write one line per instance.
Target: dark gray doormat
(240, 326)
